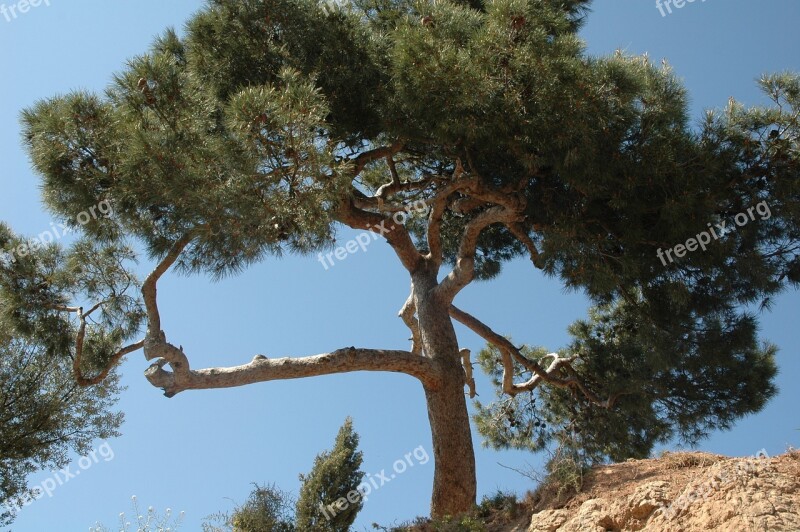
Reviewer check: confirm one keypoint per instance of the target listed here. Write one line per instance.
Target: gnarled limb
(509, 353)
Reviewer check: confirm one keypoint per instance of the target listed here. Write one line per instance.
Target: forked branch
(80, 339)
(439, 205)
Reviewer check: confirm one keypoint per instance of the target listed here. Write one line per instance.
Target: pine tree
(334, 479)
(270, 123)
(44, 415)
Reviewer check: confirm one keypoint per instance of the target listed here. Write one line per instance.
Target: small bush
(564, 477)
(500, 505)
(268, 509)
(495, 510)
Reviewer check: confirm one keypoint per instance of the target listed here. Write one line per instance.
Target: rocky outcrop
(683, 492)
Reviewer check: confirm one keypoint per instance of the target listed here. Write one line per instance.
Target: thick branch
(262, 369)
(395, 233)
(182, 377)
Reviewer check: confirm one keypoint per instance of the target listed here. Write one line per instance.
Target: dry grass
(680, 460)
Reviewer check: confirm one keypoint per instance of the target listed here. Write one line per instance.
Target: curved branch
(522, 235)
(395, 233)
(439, 206)
(509, 353)
(464, 271)
(262, 369)
(363, 159)
(351, 213)
(506, 348)
(149, 290)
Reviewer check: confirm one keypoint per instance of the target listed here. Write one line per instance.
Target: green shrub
(335, 475)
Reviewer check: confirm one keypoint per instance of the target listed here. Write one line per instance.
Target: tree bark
(454, 480)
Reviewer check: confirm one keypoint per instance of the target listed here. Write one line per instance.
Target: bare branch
(506, 348)
(262, 369)
(182, 377)
(66, 308)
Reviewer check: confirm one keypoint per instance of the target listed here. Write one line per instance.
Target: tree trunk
(454, 480)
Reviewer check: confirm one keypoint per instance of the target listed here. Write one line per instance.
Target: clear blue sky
(200, 450)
